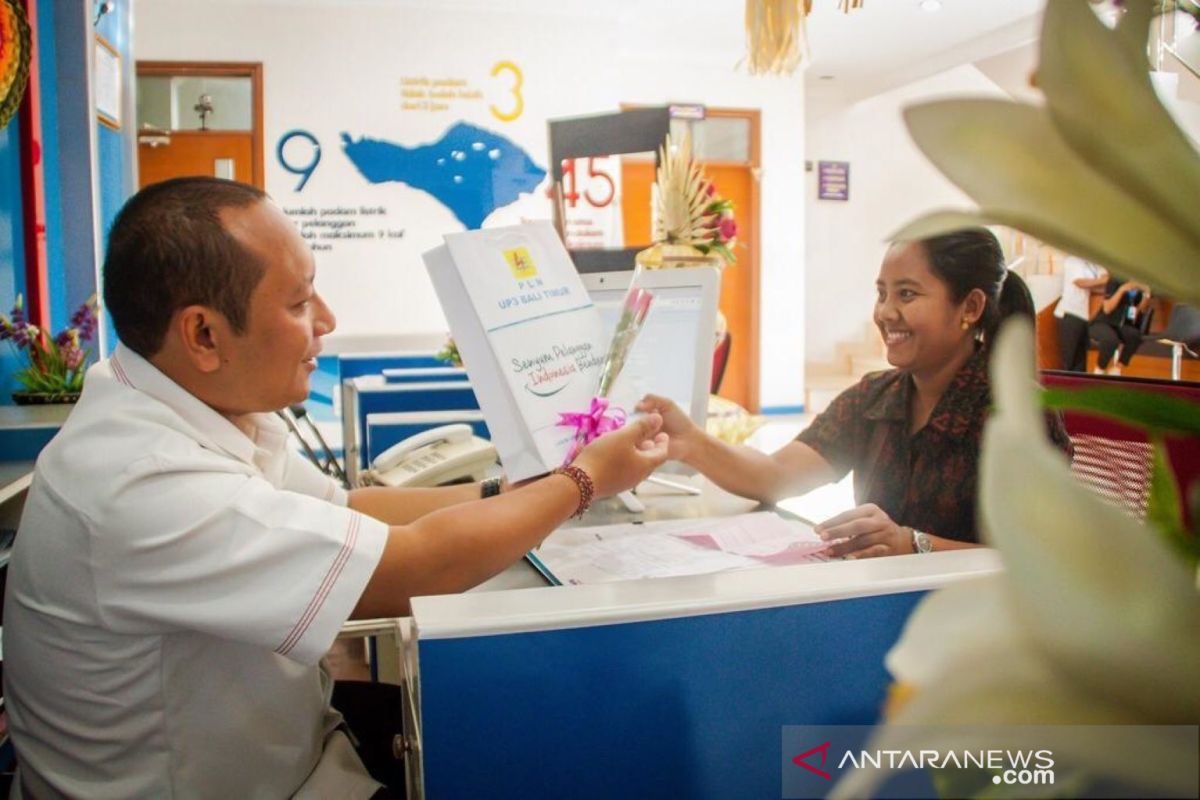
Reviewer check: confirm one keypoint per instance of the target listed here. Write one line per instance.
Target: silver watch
(921, 542)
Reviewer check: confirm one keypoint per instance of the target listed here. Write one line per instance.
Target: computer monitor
(673, 353)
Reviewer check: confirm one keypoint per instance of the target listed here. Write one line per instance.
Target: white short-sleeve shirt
(1074, 300)
(172, 588)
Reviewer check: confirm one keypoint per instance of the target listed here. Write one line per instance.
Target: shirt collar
(960, 403)
(214, 430)
(891, 402)
(957, 403)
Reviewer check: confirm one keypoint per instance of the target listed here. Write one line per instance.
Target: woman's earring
(965, 325)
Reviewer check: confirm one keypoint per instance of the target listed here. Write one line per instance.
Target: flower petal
(1032, 180)
(1102, 596)
(991, 704)
(1088, 73)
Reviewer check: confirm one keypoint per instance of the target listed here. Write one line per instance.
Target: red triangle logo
(823, 749)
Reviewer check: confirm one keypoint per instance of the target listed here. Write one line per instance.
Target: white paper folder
(530, 338)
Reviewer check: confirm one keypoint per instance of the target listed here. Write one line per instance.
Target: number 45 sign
(599, 189)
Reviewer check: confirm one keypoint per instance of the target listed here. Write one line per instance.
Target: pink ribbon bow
(595, 423)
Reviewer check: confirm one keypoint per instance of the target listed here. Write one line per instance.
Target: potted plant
(56, 365)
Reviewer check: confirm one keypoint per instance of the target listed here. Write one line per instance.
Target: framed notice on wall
(107, 73)
(833, 180)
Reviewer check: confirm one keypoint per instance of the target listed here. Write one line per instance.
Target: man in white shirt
(180, 571)
(1080, 280)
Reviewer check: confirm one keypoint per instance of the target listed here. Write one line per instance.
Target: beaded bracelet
(583, 482)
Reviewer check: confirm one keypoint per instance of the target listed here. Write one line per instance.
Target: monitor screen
(673, 353)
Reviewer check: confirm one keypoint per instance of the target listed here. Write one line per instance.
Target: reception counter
(666, 687)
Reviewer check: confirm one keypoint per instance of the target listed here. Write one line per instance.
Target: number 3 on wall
(515, 90)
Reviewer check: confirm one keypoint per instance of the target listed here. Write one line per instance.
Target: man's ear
(974, 305)
(201, 332)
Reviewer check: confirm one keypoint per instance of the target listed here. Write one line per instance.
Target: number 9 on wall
(299, 157)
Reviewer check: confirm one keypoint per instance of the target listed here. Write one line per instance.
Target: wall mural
(375, 151)
(470, 170)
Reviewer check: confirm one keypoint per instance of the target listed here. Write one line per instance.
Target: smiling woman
(911, 435)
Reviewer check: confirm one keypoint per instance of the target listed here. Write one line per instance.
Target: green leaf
(1149, 411)
(1099, 94)
(1164, 511)
(1012, 160)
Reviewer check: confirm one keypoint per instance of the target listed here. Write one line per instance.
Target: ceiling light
(931, 5)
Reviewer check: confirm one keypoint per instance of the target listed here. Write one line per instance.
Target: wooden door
(197, 153)
(739, 282)
(236, 154)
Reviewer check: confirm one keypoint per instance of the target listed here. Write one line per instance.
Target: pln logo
(520, 263)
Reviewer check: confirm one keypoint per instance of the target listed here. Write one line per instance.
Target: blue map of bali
(469, 170)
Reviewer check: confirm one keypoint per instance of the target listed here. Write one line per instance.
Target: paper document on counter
(676, 547)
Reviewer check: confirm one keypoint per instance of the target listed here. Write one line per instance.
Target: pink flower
(727, 229)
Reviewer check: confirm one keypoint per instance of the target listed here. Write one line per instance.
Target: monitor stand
(631, 503)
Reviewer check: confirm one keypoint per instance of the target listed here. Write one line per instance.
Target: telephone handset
(434, 456)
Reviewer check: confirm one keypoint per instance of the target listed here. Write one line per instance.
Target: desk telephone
(435, 456)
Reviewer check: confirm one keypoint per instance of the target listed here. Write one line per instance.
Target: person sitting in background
(180, 569)
(1118, 324)
(912, 434)
(1080, 279)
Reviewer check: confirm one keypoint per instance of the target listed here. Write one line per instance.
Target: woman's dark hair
(168, 249)
(971, 258)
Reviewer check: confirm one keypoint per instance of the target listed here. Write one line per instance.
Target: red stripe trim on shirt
(314, 606)
(119, 371)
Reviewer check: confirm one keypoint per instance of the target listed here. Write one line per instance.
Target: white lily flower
(1119, 193)
(1094, 621)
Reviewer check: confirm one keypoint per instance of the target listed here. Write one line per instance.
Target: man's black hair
(168, 249)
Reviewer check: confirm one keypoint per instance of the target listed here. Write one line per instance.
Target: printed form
(678, 547)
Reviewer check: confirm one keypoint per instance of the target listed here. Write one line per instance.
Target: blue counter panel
(24, 444)
(691, 707)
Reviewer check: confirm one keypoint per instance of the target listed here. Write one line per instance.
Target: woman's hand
(867, 532)
(623, 458)
(685, 434)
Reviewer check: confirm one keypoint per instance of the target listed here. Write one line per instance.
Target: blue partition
(665, 687)
(424, 374)
(374, 396)
(354, 365)
(688, 707)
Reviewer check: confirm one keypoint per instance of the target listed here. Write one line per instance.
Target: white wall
(891, 183)
(331, 66)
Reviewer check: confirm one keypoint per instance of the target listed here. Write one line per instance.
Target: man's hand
(868, 532)
(685, 435)
(624, 458)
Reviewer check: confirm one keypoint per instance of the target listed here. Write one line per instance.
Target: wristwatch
(921, 542)
(490, 487)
